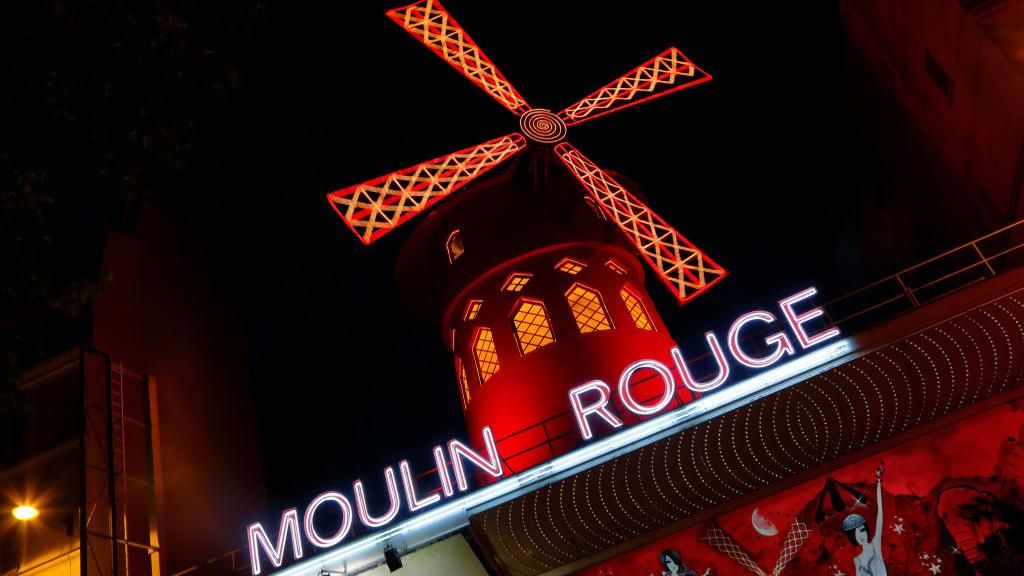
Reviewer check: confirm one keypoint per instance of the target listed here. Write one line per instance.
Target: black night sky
(760, 168)
(750, 167)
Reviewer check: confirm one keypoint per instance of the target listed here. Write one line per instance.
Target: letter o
(346, 519)
(627, 397)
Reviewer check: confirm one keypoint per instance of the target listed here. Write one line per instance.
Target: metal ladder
(119, 460)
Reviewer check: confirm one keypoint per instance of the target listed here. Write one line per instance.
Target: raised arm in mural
(869, 562)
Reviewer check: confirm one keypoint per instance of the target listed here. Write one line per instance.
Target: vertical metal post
(908, 291)
(83, 534)
(983, 259)
(111, 472)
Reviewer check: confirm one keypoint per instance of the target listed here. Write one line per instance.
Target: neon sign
(588, 402)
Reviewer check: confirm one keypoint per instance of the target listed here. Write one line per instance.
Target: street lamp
(25, 512)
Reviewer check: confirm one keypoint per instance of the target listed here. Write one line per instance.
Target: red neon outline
(442, 471)
(457, 451)
(569, 122)
(600, 408)
(364, 515)
(796, 321)
(785, 345)
(258, 536)
(626, 395)
(475, 155)
(578, 164)
(684, 371)
(343, 530)
(461, 64)
(413, 502)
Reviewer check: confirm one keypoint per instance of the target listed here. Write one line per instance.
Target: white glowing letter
(258, 539)
(491, 465)
(442, 471)
(409, 483)
(600, 407)
(707, 385)
(796, 321)
(627, 395)
(364, 515)
(346, 519)
(782, 343)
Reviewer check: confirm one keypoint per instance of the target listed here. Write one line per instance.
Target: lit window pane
(570, 266)
(616, 267)
(516, 282)
(473, 308)
(588, 309)
(533, 329)
(460, 372)
(636, 310)
(486, 354)
(454, 246)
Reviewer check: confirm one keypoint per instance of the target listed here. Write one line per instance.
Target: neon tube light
(454, 514)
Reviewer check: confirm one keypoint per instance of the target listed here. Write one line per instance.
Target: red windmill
(531, 249)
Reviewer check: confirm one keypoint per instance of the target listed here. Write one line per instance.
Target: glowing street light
(25, 512)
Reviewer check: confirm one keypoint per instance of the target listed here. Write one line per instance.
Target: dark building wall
(162, 315)
(940, 108)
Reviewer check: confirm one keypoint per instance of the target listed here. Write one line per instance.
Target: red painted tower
(535, 293)
(532, 271)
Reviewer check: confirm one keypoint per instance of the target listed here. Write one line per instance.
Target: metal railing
(939, 276)
(884, 299)
(927, 281)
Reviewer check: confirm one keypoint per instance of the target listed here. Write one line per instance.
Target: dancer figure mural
(869, 562)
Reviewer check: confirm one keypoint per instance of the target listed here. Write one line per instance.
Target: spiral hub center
(542, 126)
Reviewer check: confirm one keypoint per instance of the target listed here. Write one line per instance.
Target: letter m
(258, 539)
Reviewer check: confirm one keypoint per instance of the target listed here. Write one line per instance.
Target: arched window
(636, 309)
(532, 326)
(516, 282)
(570, 266)
(615, 267)
(472, 309)
(588, 309)
(486, 354)
(454, 246)
(460, 373)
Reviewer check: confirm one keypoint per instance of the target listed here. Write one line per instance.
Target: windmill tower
(533, 271)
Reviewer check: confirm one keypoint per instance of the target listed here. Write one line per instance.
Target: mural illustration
(950, 502)
(673, 565)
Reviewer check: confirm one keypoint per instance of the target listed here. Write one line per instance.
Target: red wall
(953, 503)
(162, 315)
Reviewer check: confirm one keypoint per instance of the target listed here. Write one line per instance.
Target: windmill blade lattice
(374, 208)
(682, 266)
(665, 73)
(432, 25)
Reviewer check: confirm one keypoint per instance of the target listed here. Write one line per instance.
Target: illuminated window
(454, 246)
(570, 266)
(516, 282)
(473, 308)
(616, 267)
(636, 310)
(533, 329)
(486, 355)
(460, 372)
(588, 309)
